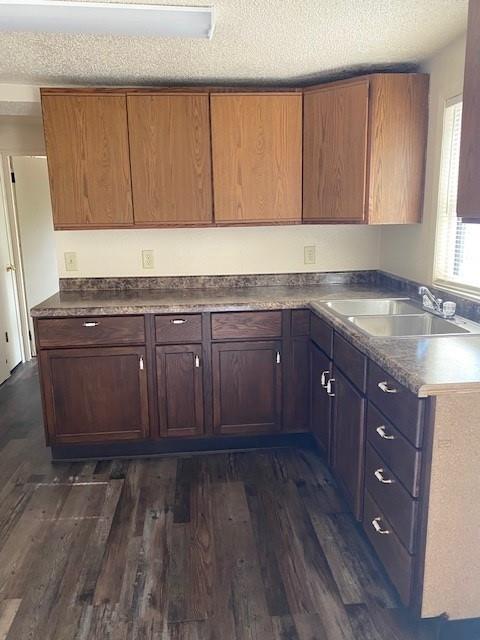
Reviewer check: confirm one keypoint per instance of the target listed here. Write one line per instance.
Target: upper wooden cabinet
(468, 204)
(170, 158)
(257, 157)
(86, 138)
(364, 149)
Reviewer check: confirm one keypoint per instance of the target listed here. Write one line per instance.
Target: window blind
(457, 247)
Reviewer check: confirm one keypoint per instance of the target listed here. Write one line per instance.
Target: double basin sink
(397, 317)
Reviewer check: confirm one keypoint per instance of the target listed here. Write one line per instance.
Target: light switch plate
(148, 259)
(71, 263)
(309, 254)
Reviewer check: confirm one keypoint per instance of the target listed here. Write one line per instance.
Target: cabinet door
(349, 441)
(257, 157)
(321, 420)
(180, 390)
(170, 159)
(297, 386)
(247, 387)
(88, 160)
(95, 395)
(335, 153)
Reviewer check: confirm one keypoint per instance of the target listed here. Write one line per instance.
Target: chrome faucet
(436, 305)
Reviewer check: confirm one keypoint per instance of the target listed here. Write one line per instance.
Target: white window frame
(464, 289)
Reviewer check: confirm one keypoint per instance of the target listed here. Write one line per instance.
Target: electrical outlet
(70, 261)
(309, 256)
(148, 259)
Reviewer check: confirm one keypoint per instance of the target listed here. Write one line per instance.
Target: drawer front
(322, 334)
(402, 458)
(395, 558)
(90, 331)
(178, 328)
(400, 405)
(399, 507)
(246, 324)
(351, 361)
(300, 322)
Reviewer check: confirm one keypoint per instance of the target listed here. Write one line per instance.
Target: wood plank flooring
(231, 546)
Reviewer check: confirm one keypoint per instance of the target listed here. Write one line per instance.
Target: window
(457, 248)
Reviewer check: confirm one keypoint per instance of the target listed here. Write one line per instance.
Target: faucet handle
(449, 309)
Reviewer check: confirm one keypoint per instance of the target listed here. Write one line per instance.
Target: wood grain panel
(335, 153)
(397, 147)
(170, 158)
(88, 160)
(95, 395)
(246, 324)
(468, 203)
(351, 361)
(321, 402)
(90, 331)
(296, 391)
(257, 157)
(322, 334)
(180, 390)
(247, 387)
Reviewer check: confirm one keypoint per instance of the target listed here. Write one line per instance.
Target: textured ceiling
(268, 40)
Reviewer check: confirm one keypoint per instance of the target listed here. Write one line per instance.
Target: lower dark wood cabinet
(180, 390)
(348, 450)
(296, 399)
(95, 395)
(247, 387)
(321, 402)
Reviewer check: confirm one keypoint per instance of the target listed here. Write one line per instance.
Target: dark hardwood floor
(232, 546)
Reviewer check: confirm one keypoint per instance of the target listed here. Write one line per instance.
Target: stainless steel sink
(374, 307)
(408, 325)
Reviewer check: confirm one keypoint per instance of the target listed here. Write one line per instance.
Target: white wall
(219, 250)
(21, 135)
(409, 251)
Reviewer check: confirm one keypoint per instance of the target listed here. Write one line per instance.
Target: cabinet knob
(329, 387)
(381, 478)
(141, 363)
(91, 324)
(278, 358)
(385, 388)
(178, 321)
(197, 362)
(323, 378)
(378, 527)
(383, 433)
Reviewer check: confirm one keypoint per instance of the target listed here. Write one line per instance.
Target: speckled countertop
(425, 365)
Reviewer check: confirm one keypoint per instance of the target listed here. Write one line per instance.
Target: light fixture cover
(110, 18)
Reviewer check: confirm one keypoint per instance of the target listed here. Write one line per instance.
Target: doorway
(32, 257)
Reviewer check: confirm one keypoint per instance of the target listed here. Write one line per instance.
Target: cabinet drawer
(90, 331)
(395, 558)
(398, 453)
(322, 334)
(246, 324)
(351, 361)
(178, 328)
(398, 403)
(300, 322)
(395, 501)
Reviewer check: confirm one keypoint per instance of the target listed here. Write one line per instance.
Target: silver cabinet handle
(197, 361)
(381, 430)
(91, 324)
(378, 528)
(178, 321)
(141, 363)
(385, 388)
(381, 478)
(323, 379)
(278, 358)
(329, 387)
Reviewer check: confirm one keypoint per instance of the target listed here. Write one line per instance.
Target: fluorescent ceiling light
(58, 16)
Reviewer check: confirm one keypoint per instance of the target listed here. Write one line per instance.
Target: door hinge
(6, 336)
(141, 363)
(29, 335)
(12, 177)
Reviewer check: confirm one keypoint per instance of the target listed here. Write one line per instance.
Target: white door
(35, 227)
(10, 342)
